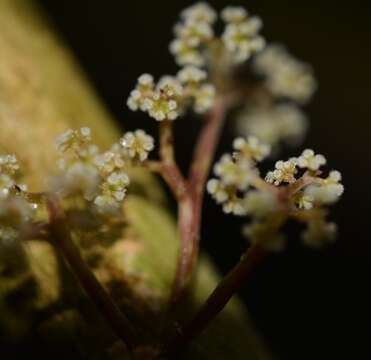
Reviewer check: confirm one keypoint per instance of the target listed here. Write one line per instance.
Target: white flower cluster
(272, 125)
(160, 101)
(284, 172)
(73, 139)
(137, 144)
(241, 35)
(301, 196)
(168, 99)
(99, 178)
(236, 174)
(194, 35)
(285, 76)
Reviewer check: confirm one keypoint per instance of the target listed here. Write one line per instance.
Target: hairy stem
(219, 298)
(62, 240)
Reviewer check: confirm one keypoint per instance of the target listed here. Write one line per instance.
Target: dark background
(307, 305)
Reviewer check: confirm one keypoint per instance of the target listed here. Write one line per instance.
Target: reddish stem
(188, 229)
(189, 192)
(206, 146)
(190, 211)
(172, 176)
(219, 298)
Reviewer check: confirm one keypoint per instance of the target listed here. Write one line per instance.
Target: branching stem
(231, 283)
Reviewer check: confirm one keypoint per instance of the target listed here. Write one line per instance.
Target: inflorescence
(295, 189)
(91, 182)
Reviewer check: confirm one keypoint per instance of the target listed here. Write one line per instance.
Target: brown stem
(236, 278)
(188, 230)
(206, 146)
(172, 176)
(167, 143)
(63, 242)
(190, 207)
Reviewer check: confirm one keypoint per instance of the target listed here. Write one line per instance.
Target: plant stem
(190, 208)
(167, 143)
(219, 298)
(206, 146)
(62, 240)
(188, 230)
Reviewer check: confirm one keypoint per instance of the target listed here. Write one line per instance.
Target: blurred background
(306, 304)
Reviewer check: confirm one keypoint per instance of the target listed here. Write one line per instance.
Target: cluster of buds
(195, 37)
(99, 178)
(294, 190)
(170, 97)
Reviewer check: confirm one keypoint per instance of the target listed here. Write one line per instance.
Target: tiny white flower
(234, 206)
(106, 203)
(251, 148)
(199, 12)
(242, 39)
(113, 190)
(234, 14)
(191, 74)
(204, 98)
(259, 203)
(231, 172)
(138, 144)
(139, 95)
(193, 33)
(186, 54)
(73, 139)
(284, 172)
(218, 190)
(310, 160)
(64, 141)
(110, 160)
(325, 194)
(333, 178)
(170, 86)
(146, 80)
(305, 201)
